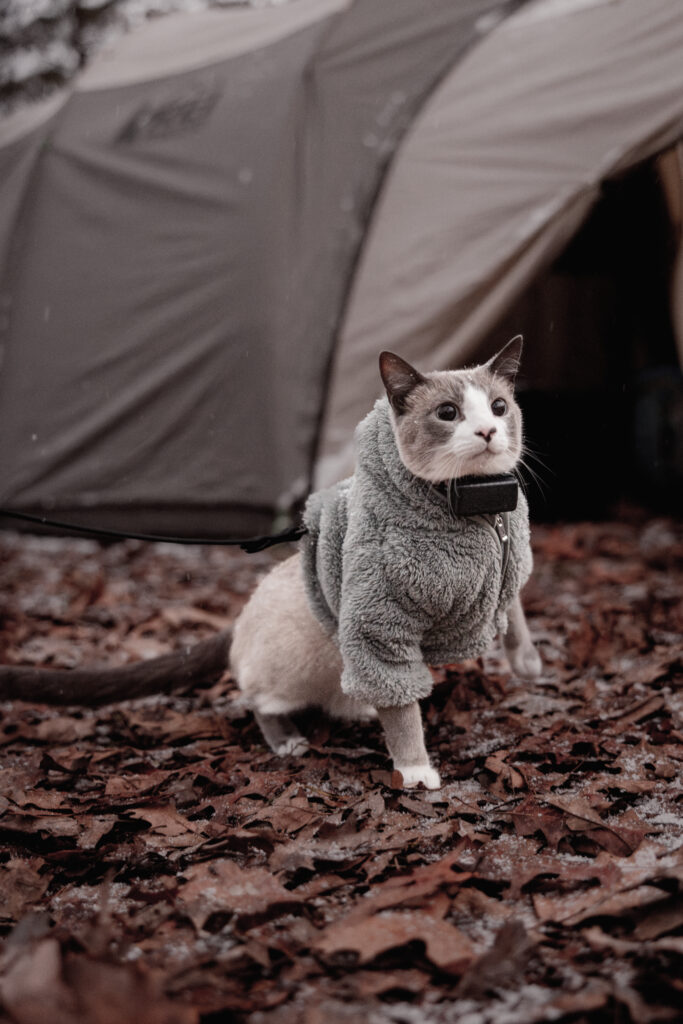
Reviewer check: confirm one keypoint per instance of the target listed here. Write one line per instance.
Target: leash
(248, 544)
(474, 496)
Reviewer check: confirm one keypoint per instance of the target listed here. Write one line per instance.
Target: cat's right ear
(399, 379)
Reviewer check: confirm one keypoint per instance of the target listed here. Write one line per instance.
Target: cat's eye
(447, 411)
(499, 407)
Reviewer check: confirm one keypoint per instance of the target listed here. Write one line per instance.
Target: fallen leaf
(222, 886)
(21, 887)
(445, 945)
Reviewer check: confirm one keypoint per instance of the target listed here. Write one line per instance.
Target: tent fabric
(495, 176)
(206, 241)
(173, 45)
(181, 254)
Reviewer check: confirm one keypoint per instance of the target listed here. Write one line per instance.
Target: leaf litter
(159, 864)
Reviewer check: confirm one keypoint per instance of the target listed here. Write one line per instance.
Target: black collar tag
(481, 495)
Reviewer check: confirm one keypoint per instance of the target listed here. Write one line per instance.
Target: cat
(295, 645)
(308, 637)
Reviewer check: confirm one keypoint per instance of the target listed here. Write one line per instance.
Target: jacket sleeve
(380, 635)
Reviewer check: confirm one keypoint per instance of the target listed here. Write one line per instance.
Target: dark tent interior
(602, 391)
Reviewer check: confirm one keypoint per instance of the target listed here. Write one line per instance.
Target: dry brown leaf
(21, 886)
(446, 946)
(222, 886)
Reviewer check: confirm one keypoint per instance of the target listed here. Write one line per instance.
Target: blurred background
(213, 216)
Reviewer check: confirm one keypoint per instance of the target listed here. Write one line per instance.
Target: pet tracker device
(480, 495)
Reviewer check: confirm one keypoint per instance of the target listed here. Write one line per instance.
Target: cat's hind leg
(281, 658)
(280, 733)
(525, 661)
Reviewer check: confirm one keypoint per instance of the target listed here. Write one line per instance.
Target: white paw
(525, 662)
(414, 774)
(293, 745)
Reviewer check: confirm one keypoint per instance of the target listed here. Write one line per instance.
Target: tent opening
(601, 391)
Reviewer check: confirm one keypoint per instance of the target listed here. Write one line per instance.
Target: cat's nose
(486, 434)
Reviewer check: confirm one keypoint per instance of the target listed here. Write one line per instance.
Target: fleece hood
(397, 579)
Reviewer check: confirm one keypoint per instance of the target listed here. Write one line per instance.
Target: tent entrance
(601, 389)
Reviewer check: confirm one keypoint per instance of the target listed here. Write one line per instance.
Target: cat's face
(455, 423)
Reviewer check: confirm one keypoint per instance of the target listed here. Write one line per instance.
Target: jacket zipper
(499, 526)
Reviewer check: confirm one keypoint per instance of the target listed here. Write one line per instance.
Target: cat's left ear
(506, 362)
(399, 379)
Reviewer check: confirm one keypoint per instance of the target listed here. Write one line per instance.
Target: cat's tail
(200, 663)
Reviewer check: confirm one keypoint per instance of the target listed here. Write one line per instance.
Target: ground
(159, 865)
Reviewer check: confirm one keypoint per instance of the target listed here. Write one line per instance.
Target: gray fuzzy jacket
(397, 579)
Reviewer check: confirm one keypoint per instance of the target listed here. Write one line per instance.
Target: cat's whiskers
(523, 464)
(453, 479)
(529, 454)
(459, 467)
(520, 478)
(527, 450)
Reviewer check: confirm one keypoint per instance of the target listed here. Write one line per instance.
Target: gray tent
(205, 242)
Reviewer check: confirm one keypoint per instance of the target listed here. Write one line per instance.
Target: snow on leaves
(158, 864)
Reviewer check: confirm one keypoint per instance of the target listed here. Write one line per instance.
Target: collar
(480, 495)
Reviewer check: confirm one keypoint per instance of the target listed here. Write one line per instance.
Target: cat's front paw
(414, 774)
(525, 661)
(293, 746)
